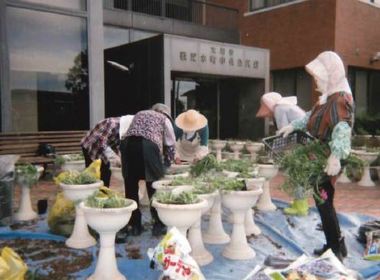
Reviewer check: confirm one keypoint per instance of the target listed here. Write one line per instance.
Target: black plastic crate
(277, 145)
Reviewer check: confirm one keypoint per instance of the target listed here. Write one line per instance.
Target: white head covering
(329, 74)
(271, 99)
(125, 122)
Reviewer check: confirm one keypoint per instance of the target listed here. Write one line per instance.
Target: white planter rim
(257, 191)
(119, 210)
(362, 152)
(97, 184)
(194, 206)
(207, 195)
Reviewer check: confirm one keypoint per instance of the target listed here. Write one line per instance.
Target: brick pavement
(348, 197)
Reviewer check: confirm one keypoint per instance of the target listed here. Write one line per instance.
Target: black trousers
(105, 171)
(330, 224)
(133, 169)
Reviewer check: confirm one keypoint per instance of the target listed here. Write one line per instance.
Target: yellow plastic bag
(61, 216)
(94, 168)
(16, 266)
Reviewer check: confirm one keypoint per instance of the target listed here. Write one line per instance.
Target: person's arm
(178, 132)
(280, 115)
(340, 144)
(169, 142)
(204, 134)
(300, 124)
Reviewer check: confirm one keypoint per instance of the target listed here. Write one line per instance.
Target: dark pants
(105, 171)
(133, 169)
(330, 224)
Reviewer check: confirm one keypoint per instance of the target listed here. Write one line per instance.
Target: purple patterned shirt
(104, 134)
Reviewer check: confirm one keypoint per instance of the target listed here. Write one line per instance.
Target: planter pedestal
(80, 237)
(25, 211)
(249, 222)
(343, 179)
(268, 171)
(215, 233)
(253, 148)
(236, 147)
(107, 222)
(368, 158)
(239, 202)
(218, 146)
(181, 216)
(198, 250)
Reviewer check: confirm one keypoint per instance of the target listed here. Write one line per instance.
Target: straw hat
(191, 120)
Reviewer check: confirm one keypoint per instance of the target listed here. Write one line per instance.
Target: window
(48, 70)
(262, 4)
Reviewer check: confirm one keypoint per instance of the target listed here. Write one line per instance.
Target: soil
(49, 259)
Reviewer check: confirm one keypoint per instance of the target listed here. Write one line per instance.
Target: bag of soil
(372, 250)
(12, 267)
(61, 216)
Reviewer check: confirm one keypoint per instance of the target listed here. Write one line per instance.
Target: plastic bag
(372, 250)
(61, 216)
(7, 164)
(93, 169)
(171, 256)
(12, 266)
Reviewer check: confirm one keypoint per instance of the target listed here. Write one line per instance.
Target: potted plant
(26, 176)
(237, 168)
(77, 187)
(180, 210)
(249, 222)
(71, 162)
(200, 254)
(367, 156)
(253, 148)
(239, 200)
(236, 147)
(218, 145)
(268, 171)
(107, 212)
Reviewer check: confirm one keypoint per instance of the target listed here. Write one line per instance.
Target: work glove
(285, 131)
(333, 165)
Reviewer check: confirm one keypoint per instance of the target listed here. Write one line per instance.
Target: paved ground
(349, 197)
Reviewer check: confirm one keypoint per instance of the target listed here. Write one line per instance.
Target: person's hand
(333, 165)
(286, 130)
(177, 160)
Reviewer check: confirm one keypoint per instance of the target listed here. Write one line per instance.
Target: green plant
(172, 198)
(76, 178)
(204, 188)
(27, 173)
(234, 165)
(228, 184)
(204, 165)
(106, 198)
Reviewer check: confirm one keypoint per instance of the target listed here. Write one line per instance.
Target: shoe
(299, 207)
(158, 229)
(339, 255)
(320, 251)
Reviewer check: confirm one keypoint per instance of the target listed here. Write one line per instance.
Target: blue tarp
(283, 236)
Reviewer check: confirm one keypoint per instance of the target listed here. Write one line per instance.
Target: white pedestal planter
(163, 185)
(239, 202)
(236, 147)
(77, 165)
(253, 148)
(268, 171)
(181, 216)
(25, 211)
(198, 250)
(368, 158)
(249, 221)
(215, 233)
(80, 237)
(218, 146)
(343, 179)
(107, 222)
(230, 174)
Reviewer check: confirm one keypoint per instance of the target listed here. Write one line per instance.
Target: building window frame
(268, 7)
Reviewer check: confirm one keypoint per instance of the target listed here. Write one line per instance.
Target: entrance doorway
(229, 104)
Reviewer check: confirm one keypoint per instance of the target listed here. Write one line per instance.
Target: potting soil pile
(282, 236)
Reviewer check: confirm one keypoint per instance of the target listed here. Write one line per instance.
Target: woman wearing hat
(149, 141)
(330, 121)
(284, 110)
(191, 131)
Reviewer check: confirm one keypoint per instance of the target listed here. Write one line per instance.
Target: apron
(187, 150)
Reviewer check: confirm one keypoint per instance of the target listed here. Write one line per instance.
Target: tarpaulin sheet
(284, 236)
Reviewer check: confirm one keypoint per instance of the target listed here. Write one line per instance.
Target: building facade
(296, 31)
(62, 59)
